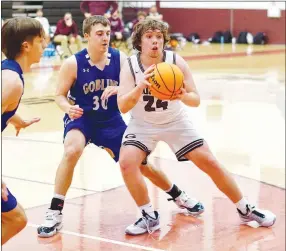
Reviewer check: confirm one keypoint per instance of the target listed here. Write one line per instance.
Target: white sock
(59, 196)
(241, 205)
(148, 208)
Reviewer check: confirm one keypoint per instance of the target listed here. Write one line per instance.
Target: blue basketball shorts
(10, 204)
(105, 134)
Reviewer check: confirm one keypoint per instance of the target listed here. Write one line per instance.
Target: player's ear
(26, 46)
(86, 35)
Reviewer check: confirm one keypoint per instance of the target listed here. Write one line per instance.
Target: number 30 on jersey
(97, 102)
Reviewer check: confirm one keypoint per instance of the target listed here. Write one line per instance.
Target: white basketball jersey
(150, 109)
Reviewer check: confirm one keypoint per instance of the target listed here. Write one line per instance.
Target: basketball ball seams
(162, 79)
(174, 82)
(166, 90)
(156, 90)
(163, 95)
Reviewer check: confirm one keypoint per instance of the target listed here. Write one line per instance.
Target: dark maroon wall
(257, 20)
(206, 21)
(202, 21)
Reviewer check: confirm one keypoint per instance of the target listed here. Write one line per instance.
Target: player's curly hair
(96, 19)
(149, 24)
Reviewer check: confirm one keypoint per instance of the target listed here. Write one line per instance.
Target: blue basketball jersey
(13, 66)
(91, 83)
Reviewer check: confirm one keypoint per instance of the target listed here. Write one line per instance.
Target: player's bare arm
(11, 94)
(12, 89)
(113, 90)
(189, 95)
(67, 76)
(129, 93)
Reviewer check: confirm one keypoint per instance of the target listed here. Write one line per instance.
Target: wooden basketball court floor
(242, 117)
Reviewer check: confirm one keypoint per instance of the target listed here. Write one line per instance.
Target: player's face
(152, 43)
(99, 37)
(35, 49)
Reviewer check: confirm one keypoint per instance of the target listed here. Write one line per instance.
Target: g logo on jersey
(110, 152)
(130, 136)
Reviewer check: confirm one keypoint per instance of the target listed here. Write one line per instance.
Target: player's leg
(156, 176)
(76, 135)
(74, 145)
(130, 159)
(203, 158)
(110, 137)
(13, 218)
(135, 147)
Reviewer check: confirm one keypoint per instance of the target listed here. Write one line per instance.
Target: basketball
(166, 81)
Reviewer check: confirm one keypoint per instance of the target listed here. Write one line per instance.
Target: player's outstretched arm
(189, 95)
(129, 93)
(67, 76)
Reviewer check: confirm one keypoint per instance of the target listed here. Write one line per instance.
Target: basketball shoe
(53, 223)
(264, 218)
(192, 205)
(145, 224)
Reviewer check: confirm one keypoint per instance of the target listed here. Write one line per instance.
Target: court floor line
(103, 239)
(47, 183)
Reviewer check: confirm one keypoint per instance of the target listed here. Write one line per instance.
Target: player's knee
(19, 221)
(22, 221)
(73, 152)
(125, 164)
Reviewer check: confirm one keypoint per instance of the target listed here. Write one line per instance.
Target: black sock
(57, 204)
(175, 192)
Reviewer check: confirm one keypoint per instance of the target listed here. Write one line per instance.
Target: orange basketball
(166, 81)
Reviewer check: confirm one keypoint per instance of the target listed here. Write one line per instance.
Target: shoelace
(145, 221)
(249, 210)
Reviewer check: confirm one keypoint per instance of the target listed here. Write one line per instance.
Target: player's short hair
(17, 30)
(93, 20)
(149, 24)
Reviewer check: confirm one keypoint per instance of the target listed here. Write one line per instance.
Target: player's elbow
(197, 102)
(57, 98)
(122, 105)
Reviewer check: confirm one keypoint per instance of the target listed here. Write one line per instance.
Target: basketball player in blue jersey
(22, 42)
(88, 84)
(166, 121)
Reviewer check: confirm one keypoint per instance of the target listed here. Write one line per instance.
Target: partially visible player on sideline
(22, 42)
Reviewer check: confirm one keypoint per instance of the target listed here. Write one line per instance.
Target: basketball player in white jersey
(153, 120)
